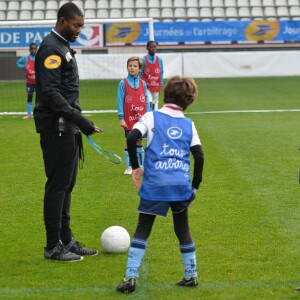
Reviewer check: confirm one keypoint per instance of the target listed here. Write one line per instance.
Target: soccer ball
(115, 239)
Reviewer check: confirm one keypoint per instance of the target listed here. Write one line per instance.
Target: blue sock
(29, 108)
(135, 257)
(188, 255)
(140, 154)
(127, 159)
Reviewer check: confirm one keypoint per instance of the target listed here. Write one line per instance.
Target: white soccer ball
(115, 239)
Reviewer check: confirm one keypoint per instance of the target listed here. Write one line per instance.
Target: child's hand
(123, 123)
(136, 176)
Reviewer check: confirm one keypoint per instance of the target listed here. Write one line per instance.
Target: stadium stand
(205, 14)
(257, 13)
(167, 13)
(179, 13)
(294, 2)
(128, 13)
(193, 13)
(140, 4)
(90, 4)
(115, 13)
(159, 10)
(282, 3)
(62, 2)
(50, 14)
(268, 3)
(27, 5)
(231, 13)
(244, 13)
(103, 13)
(255, 3)
(38, 15)
(39, 5)
(230, 3)
(103, 4)
(217, 3)
(218, 13)
(283, 13)
(51, 5)
(166, 3)
(181, 3)
(153, 13)
(153, 4)
(78, 2)
(270, 13)
(191, 3)
(25, 15)
(13, 6)
(90, 13)
(141, 13)
(128, 4)
(12, 15)
(295, 12)
(3, 5)
(115, 4)
(242, 3)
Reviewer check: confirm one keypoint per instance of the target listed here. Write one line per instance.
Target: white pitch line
(188, 113)
(8, 292)
(243, 111)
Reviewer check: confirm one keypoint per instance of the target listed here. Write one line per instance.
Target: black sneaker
(192, 282)
(127, 286)
(59, 252)
(79, 249)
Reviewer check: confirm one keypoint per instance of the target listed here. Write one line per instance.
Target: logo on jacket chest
(129, 99)
(174, 133)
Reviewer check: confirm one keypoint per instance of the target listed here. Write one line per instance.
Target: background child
(27, 62)
(153, 73)
(166, 177)
(132, 102)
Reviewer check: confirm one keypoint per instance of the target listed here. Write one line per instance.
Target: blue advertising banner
(168, 33)
(203, 32)
(22, 37)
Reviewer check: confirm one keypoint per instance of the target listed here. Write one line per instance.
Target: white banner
(114, 66)
(198, 65)
(242, 64)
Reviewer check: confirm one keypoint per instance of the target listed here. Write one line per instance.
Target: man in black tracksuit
(58, 119)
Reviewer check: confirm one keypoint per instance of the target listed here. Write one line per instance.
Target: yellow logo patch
(52, 62)
(262, 30)
(123, 33)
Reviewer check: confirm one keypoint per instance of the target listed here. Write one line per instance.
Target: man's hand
(137, 174)
(97, 130)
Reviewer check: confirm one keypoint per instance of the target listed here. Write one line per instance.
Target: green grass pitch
(245, 220)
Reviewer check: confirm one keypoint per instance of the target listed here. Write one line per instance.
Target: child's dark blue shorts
(160, 208)
(128, 131)
(30, 88)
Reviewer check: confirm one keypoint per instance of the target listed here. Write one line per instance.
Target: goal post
(102, 51)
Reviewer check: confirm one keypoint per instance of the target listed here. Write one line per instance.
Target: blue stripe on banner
(165, 33)
(212, 31)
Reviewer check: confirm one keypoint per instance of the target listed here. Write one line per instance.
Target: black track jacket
(57, 86)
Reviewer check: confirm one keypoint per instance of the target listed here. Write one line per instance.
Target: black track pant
(60, 155)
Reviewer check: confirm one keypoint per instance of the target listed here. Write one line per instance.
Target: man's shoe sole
(63, 260)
